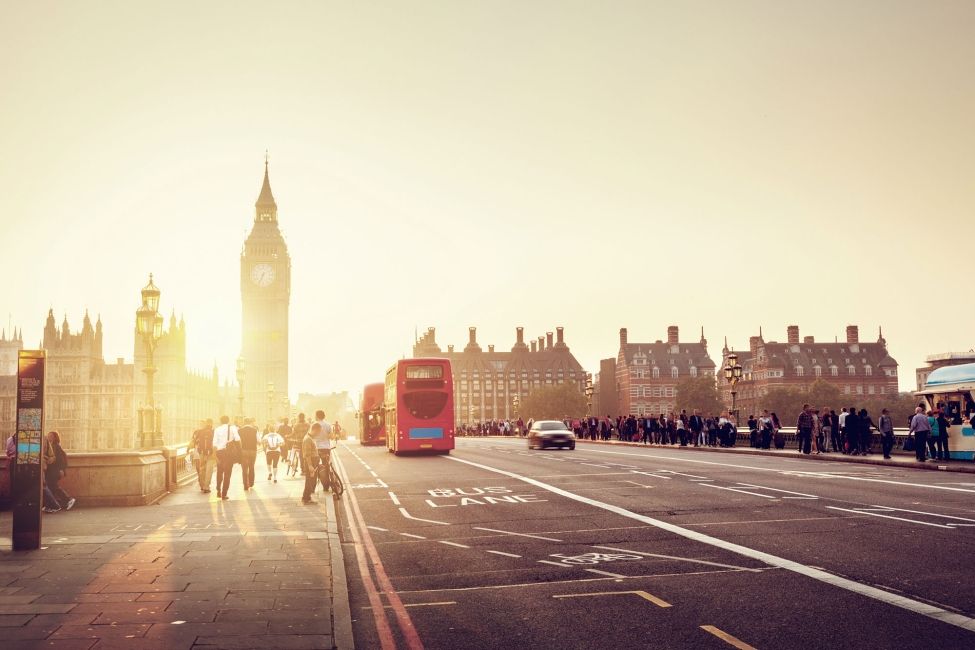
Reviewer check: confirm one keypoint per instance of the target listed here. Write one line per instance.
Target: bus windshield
(425, 404)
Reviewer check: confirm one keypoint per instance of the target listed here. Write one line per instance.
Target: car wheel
(572, 446)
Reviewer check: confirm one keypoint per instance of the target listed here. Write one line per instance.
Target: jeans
(887, 440)
(921, 438)
(311, 479)
(247, 459)
(52, 479)
(942, 446)
(805, 441)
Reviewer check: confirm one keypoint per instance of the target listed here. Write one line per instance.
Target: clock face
(262, 275)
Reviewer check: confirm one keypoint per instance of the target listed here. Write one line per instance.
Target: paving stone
(322, 626)
(88, 598)
(218, 628)
(18, 598)
(119, 588)
(27, 632)
(84, 618)
(14, 620)
(36, 608)
(132, 631)
(191, 596)
(98, 608)
(269, 642)
(153, 616)
(57, 644)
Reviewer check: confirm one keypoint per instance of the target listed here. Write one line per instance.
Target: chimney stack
(672, 335)
(521, 335)
(534, 345)
(548, 340)
(852, 334)
(472, 333)
(793, 331)
(753, 343)
(450, 349)
(490, 348)
(560, 337)
(808, 339)
(541, 343)
(622, 336)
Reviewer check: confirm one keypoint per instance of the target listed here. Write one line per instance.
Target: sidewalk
(899, 459)
(258, 571)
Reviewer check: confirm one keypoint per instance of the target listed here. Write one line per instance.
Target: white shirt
(843, 418)
(224, 434)
(324, 439)
(273, 441)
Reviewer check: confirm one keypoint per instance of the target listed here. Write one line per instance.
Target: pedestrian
(324, 443)
(835, 439)
(920, 427)
(207, 459)
(310, 461)
(295, 441)
(866, 436)
(54, 472)
(853, 431)
(777, 434)
(844, 440)
(934, 434)
(886, 427)
(804, 429)
(226, 444)
(697, 429)
(765, 430)
(248, 452)
(942, 441)
(273, 443)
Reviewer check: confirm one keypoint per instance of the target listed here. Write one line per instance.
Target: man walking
(324, 444)
(298, 433)
(804, 427)
(920, 428)
(310, 461)
(248, 452)
(203, 442)
(886, 427)
(225, 438)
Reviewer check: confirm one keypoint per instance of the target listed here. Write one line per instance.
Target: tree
(786, 403)
(821, 393)
(553, 403)
(699, 394)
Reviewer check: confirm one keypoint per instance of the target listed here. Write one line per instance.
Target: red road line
(402, 616)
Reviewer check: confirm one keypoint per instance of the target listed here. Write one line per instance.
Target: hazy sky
(586, 164)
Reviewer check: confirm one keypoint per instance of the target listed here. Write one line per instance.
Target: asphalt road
(496, 546)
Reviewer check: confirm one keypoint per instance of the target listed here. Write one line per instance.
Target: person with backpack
(56, 470)
(273, 443)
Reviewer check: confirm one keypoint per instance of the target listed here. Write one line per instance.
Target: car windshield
(551, 426)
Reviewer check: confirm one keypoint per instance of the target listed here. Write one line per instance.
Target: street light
(732, 373)
(270, 401)
(148, 325)
(588, 394)
(241, 374)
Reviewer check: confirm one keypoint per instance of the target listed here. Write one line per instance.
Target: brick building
(643, 378)
(855, 368)
(486, 382)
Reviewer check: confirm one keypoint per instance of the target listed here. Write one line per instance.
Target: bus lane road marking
(909, 604)
(727, 638)
(659, 602)
(508, 532)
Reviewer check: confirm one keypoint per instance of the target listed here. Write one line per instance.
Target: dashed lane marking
(680, 559)
(606, 573)
(727, 638)
(412, 535)
(443, 541)
(731, 489)
(564, 566)
(909, 604)
(799, 495)
(395, 500)
(406, 514)
(504, 554)
(640, 484)
(659, 602)
(877, 514)
(508, 532)
(385, 530)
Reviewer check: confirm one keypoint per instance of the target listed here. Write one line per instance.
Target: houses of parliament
(93, 402)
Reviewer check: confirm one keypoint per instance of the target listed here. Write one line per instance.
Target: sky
(729, 165)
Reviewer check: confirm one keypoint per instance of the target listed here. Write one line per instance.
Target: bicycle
(335, 481)
(293, 461)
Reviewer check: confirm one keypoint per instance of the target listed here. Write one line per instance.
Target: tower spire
(266, 208)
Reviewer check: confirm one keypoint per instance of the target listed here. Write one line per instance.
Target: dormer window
(868, 371)
(673, 372)
(656, 372)
(851, 370)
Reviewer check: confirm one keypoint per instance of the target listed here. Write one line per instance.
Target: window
(860, 389)
(656, 372)
(673, 372)
(693, 371)
(868, 371)
(871, 389)
(818, 371)
(846, 389)
(799, 371)
(851, 370)
(833, 370)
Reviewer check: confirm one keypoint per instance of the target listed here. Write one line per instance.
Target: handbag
(910, 444)
(233, 449)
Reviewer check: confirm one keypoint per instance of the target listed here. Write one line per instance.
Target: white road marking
(762, 487)
(666, 478)
(667, 471)
(374, 474)
(554, 563)
(921, 512)
(640, 484)
(504, 554)
(877, 514)
(606, 573)
(508, 532)
(429, 521)
(680, 559)
(740, 491)
(385, 530)
(412, 535)
(381, 483)
(395, 500)
(454, 544)
(936, 613)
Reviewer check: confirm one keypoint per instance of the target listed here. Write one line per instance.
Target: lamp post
(270, 401)
(588, 394)
(516, 403)
(241, 374)
(732, 373)
(148, 324)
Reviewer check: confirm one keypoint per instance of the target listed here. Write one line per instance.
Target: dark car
(550, 433)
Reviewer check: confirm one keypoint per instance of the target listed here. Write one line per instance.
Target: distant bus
(419, 406)
(371, 429)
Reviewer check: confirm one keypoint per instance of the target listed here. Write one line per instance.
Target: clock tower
(265, 291)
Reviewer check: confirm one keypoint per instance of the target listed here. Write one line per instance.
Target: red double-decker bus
(419, 406)
(371, 428)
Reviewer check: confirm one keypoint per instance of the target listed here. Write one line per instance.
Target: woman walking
(55, 470)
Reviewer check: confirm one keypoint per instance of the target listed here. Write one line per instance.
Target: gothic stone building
(855, 368)
(643, 378)
(486, 382)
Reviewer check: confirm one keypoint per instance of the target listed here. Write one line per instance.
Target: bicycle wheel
(336, 483)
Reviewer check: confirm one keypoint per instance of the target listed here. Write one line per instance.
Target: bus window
(424, 372)
(426, 404)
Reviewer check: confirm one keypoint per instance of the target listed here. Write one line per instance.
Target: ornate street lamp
(148, 325)
(589, 394)
(733, 373)
(241, 374)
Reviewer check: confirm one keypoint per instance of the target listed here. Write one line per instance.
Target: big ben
(265, 291)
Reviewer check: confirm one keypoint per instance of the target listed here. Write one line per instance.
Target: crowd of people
(307, 446)
(54, 467)
(823, 430)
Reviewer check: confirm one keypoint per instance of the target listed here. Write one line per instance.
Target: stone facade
(486, 382)
(647, 374)
(855, 368)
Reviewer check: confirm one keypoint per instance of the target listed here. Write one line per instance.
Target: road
(496, 546)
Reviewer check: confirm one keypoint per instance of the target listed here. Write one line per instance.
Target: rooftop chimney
(560, 337)
(753, 343)
(472, 335)
(521, 335)
(541, 343)
(490, 348)
(793, 331)
(548, 340)
(622, 336)
(852, 334)
(450, 349)
(534, 345)
(672, 335)
(808, 339)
